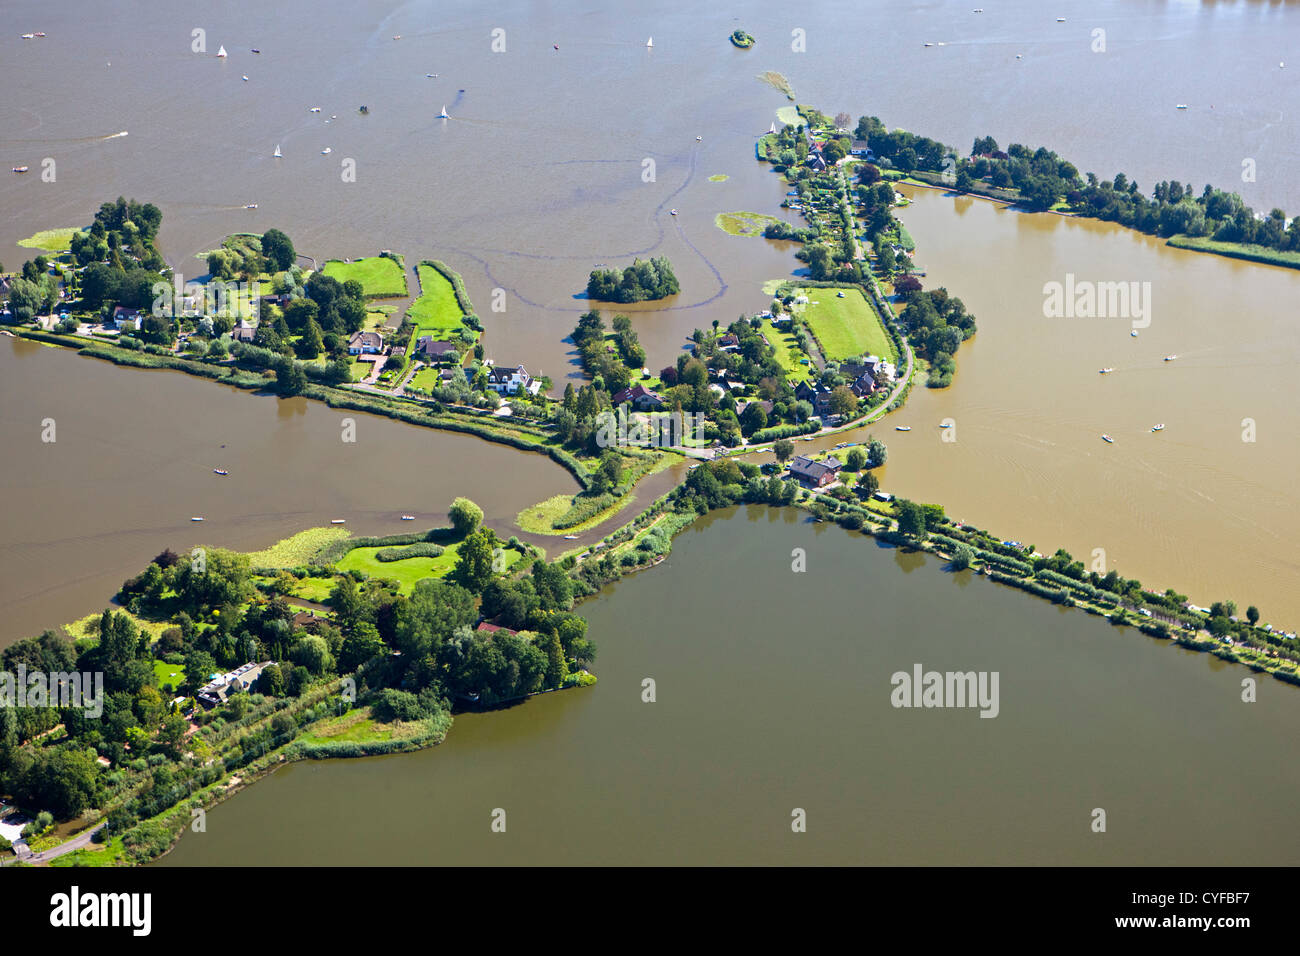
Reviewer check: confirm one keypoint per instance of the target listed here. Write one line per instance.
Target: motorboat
(1134, 333)
(327, 150)
(220, 471)
(196, 518)
(408, 517)
(1170, 358)
(1157, 428)
(1103, 371)
(21, 169)
(1108, 439)
(672, 212)
(902, 428)
(337, 520)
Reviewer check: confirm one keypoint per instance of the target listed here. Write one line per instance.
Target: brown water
(773, 693)
(132, 462)
(1192, 507)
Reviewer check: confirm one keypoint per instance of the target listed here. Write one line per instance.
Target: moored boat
(1103, 371)
(1156, 428)
(196, 518)
(1108, 439)
(20, 169)
(408, 517)
(220, 471)
(902, 428)
(337, 520)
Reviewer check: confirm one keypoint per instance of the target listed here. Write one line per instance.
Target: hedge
(784, 431)
(421, 549)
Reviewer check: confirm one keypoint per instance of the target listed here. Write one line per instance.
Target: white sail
(650, 42)
(278, 154)
(221, 52)
(443, 114)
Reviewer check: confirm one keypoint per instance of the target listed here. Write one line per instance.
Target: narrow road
(78, 842)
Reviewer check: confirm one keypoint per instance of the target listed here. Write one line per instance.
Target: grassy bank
(1238, 250)
(381, 277)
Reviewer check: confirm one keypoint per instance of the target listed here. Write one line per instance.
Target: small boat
(1103, 371)
(650, 42)
(251, 205)
(408, 517)
(1157, 428)
(1170, 358)
(699, 139)
(363, 109)
(927, 44)
(244, 77)
(38, 34)
(1060, 19)
(672, 212)
(398, 37)
(277, 154)
(431, 76)
(570, 537)
(337, 520)
(945, 424)
(1134, 333)
(1108, 439)
(221, 54)
(443, 114)
(20, 169)
(979, 9)
(254, 51)
(1020, 56)
(196, 518)
(555, 45)
(314, 109)
(771, 129)
(1181, 106)
(902, 428)
(326, 150)
(220, 471)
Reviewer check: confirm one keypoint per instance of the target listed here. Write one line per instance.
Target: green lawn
(846, 327)
(436, 311)
(169, 675)
(379, 276)
(787, 353)
(409, 570)
(51, 240)
(297, 549)
(426, 378)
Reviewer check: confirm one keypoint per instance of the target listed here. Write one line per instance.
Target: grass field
(169, 675)
(51, 240)
(1238, 250)
(846, 327)
(409, 570)
(787, 353)
(379, 276)
(436, 311)
(298, 549)
(426, 378)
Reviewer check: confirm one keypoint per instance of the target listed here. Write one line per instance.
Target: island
(643, 280)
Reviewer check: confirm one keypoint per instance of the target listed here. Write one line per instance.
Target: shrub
(422, 549)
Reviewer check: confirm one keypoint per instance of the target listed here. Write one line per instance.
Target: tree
(313, 653)
(962, 556)
(310, 345)
(360, 646)
(290, 379)
(855, 460)
(465, 516)
(278, 249)
(474, 559)
(431, 615)
(911, 518)
(1252, 615)
(876, 452)
(752, 419)
(783, 449)
(868, 484)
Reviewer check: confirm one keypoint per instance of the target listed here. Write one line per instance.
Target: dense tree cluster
(644, 279)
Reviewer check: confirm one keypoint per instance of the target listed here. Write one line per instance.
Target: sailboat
(650, 42)
(221, 54)
(771, 129)
(277, 154)
(443, 114)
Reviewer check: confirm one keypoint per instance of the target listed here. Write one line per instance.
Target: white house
(365, 343)
(507, 380)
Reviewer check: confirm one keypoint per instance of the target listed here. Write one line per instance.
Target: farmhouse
(365, 343)
(642, 398)
(124, 318)
(434, 350)
(817, 474)
(240, 679)
(507, 380)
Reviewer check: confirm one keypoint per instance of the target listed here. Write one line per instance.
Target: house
(819, 396)
(124, 318)
(242, 678)
(860, 148)
(279, 301)
(817, 474)
(434, 350)
(816, 162)
(505, 380)
(642, 398)
(729, 342)
(307, 620)
(365, 343)
(243, 333)
(863, 385)
(485, 628)
(765, 405)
